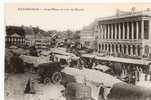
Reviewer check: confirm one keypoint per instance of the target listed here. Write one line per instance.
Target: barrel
(78, 91)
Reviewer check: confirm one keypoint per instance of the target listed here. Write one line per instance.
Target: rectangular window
(103, 31)
(146, 29)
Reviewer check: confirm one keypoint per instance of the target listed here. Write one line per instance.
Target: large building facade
(88, 36)
(125, 34)
(15, 39)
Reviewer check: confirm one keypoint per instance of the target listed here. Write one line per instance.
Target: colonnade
(125, 49)
(122, 30)
(15, 40)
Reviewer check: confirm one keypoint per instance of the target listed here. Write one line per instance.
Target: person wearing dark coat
(102, 92)
(16, 64)
(29, 89)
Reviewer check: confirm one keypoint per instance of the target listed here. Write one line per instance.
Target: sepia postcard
(77, 51)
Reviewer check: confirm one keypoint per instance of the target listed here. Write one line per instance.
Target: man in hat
(29, 89)
(16, 63)
(103, 92)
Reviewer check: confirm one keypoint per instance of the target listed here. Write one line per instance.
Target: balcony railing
(122, 40)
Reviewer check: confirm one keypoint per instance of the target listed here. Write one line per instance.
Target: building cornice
(122, 14)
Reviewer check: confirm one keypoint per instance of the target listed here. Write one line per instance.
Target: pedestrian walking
(138, 72)
(146, 73)
(93, 65)
(134, 75)
(16, 64)
(30, 89)
(149, 69)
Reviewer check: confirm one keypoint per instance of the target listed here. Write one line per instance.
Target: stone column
(115, 30)
(111, 31)
(142, 29)
(141, 50)
(123, 31)
(107, 47)
(142, 35)
(101, 32)
(118, 48)
(119, 31)
(122, 49)
(127, 30)
(115, 49)
(98, 48)
(132, 26)
(111, 50)
(131, 50)
(136, 50)
(108, 32)
(127, 49)
(137, 30)
(105, 28)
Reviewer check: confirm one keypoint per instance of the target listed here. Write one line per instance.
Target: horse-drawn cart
(47, 70)
(50, 72)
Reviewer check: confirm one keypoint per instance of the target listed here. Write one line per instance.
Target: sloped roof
(15, 35)
(124, 14)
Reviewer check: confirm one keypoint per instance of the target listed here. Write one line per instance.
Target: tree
(15, 29)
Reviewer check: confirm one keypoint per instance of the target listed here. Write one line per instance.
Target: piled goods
(78, 91)
(92, 75)
(34, 60)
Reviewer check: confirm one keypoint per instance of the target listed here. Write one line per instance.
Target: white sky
(62, 20)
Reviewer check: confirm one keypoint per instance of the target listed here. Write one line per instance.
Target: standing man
(138, 71)
(16, 64)
(149, 65)
(93, 63)
(134, 75)
(103, 92)
(30, 88)
(148, 72)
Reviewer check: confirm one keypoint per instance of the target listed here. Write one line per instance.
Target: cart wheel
(56, 77)
(46, 80)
